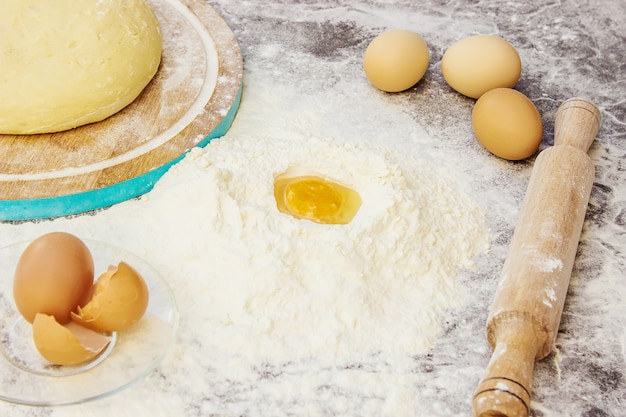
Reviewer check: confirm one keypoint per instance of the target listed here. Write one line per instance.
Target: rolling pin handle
(577, 123)
(504, 391)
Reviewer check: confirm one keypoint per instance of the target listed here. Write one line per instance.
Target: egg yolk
(316, 199)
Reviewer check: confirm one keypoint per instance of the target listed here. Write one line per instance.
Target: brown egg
(120, 299)
(396, 60)
(68, 344)
(474, 65)
(53, 276)
(507, 123)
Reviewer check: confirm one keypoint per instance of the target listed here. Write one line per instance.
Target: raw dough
(67, 63)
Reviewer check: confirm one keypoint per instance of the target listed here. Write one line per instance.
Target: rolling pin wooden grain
(528, 303)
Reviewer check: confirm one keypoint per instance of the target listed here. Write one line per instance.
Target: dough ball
(66, 63)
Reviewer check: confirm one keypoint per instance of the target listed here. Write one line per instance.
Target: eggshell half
(120, 300)
(68, 344)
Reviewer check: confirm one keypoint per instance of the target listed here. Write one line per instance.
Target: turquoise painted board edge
(66, 205)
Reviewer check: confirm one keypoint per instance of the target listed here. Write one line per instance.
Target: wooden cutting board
(192, 99)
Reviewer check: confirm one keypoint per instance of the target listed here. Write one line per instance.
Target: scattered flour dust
(277, 288)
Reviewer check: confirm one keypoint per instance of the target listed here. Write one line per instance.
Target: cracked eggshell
(120, 299)
(68, 344)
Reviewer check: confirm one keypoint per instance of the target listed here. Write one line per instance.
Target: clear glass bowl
(26, 378)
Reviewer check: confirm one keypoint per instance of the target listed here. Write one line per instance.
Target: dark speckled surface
(313, 48)
(568, 48)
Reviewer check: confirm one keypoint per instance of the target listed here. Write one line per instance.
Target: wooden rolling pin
(526, 311)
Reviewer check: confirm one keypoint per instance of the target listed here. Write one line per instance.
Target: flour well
(277, 287)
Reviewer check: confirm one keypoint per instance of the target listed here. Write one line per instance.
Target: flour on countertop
(261, 293)
(275, 287)
(303, 80)
(251, 280)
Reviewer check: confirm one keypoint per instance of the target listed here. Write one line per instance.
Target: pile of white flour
(270, 286)
(253, 281)
(258, 289)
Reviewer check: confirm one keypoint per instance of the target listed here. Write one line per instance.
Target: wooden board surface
(192, 99)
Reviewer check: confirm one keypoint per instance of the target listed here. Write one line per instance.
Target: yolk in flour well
(316, 199)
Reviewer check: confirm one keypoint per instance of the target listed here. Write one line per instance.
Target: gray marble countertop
(295, 49)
